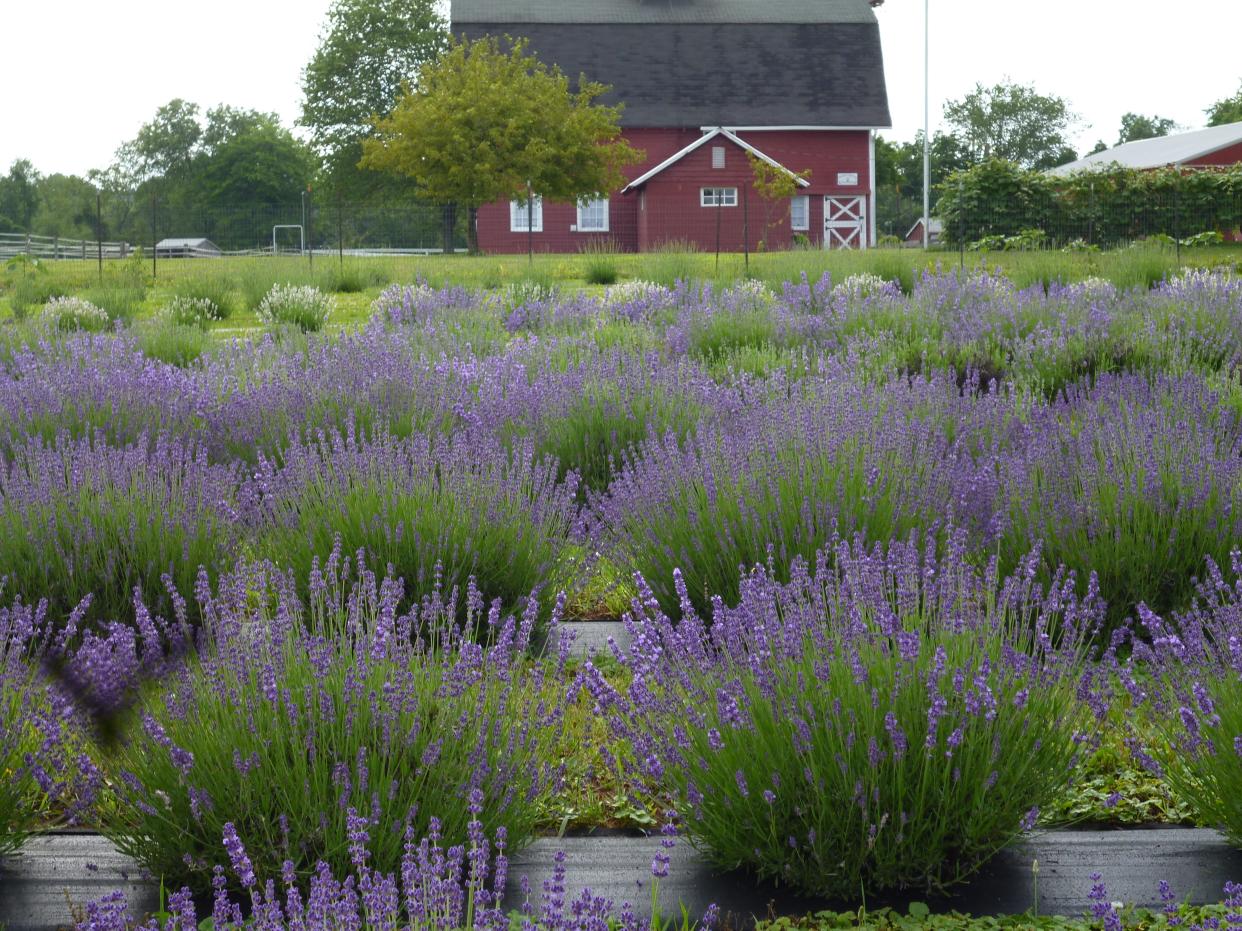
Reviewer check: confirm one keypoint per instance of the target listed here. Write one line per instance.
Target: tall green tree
(1226, 110)
(252, 160)
(166, 145)
(1135, 126)
(1013, 122)
(366, 51)
(483, 124)
(19, 197)
(66, 207)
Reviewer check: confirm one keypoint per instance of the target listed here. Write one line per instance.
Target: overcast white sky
(81, 76)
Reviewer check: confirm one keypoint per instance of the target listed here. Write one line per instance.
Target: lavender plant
(887, 720)
(184, 310)
(84, 518)
(20, 736)
(1135, 479)
(1195, 688)
(436, 889)
(301, 306)
(75, 313)
(435, 509)
(57, 386)
(301, 724)
(837, 457)
(47, 775)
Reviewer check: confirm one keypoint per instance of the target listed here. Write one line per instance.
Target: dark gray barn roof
(661, 11)
(707, 62)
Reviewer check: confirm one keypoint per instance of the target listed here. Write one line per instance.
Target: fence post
(154, 239)
(310, 239)
(746, 226)
(961, 224)
(340, 231)
(1177, 218)
(448, 223)
(1091, 215)
(99, 231)
(719, 212)
(56, 246)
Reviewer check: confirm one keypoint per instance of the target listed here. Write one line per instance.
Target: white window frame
(805, 201)
(718, 197)
(582, 227)
(517, 215)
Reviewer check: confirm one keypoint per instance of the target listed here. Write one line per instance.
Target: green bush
(670, 263)
(121, 303)
(215, 290)
(33, 289)
(177, 344)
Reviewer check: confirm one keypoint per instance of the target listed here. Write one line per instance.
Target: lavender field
(895, 565)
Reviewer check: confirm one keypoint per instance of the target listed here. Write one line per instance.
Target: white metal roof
(196, 243)
(1163, 150)
(702, 140)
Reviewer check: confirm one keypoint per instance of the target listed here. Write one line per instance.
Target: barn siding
(1230, 155)
(671, 210)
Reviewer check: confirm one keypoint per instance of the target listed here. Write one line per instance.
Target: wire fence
(124, 222)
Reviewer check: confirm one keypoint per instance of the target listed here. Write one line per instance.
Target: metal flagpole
(926, 122)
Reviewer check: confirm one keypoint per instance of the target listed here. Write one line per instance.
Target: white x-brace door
(845, 222)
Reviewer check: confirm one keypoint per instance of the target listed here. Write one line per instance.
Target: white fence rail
(54, 247)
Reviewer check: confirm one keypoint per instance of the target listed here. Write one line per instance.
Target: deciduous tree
(1013, 122)
(366, 51)
(1226, 110)
(776, 186)
(19, 197)
(1135, 126)
(483, 123)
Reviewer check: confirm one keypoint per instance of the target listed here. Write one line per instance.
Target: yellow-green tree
(482, 123)
(777, 186)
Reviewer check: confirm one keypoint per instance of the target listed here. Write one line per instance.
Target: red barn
(707, 83)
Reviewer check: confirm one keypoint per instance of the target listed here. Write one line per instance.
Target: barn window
(800, 212)
(518, 220)
(593, 216)
(718, 197)
(718, 155)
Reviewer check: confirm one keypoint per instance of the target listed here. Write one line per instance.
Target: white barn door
(845, 222)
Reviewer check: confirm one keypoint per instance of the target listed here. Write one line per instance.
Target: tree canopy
(482, 124)
(1013, 122)
(366, 51)
(1135, 126)
(236, 156)
(19, 197)
(1226, 110)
